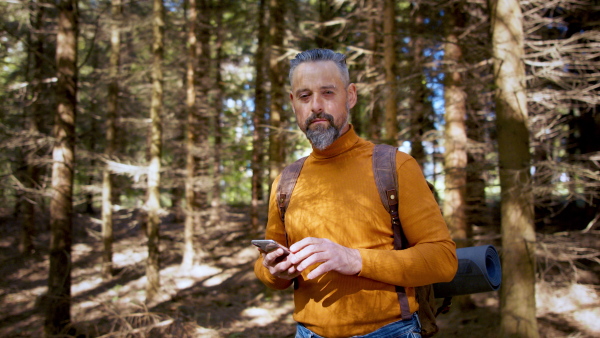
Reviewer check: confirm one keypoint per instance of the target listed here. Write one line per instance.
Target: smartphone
(268, 245)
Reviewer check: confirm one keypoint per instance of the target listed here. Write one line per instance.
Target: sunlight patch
(129, 258)
(220, 278)
(244, 256)
(589, 318)
(203, 271)
(86, 285)
(580, 303)
(262, 316)
(186, 279)
(560, 300)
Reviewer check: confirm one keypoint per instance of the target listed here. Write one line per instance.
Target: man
(339, 232)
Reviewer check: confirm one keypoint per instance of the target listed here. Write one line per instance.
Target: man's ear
(292, 102)
(352, 95)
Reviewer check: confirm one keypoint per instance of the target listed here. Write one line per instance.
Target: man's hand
(334, 257)
(279, 265)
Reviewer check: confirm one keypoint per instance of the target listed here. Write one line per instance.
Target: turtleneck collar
(339, 146)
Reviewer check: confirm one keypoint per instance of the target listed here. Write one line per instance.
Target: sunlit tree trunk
(277, 76)
(389, 60)
(153, 202)
(260, 108)
(215, 203)
(58, 311)
(111, 116)
(517, 296)
(198, 180)
(455, 156)
(192, 211)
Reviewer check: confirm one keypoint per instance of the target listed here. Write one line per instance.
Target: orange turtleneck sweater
(336, 198)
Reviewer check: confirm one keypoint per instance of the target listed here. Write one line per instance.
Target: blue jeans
(400, 329)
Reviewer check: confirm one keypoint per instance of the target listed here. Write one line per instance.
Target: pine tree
(58, 311)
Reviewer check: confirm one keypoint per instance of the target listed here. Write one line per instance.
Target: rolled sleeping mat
(478, 271)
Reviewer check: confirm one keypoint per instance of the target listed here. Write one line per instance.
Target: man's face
(321, 102)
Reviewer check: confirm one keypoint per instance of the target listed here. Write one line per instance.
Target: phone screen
(268, 245)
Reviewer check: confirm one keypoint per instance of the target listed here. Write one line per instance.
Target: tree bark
(277, 77)
(58, 311)
(260, 109)
(153, 202)
(389, 59)
(517, 296)
(325, 38)
(192, 61)
(31, 175)
(455, 156)
(215, 203)
(198, 181)
(373, 62)
(111, 116)
(417, 99)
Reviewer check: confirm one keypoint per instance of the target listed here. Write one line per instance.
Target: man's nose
(316, 104)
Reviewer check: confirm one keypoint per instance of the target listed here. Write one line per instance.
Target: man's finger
(319, 271)
(304, 243)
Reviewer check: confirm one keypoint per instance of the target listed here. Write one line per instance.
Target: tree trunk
(373, 62)
(389, 56)
(153, 202)
(476, 209)
(215, 203)
(277, 76)
(111, 116)
(260, 109)
(417, 99)
(517, 296)
(325, 38)
(31, 173)
(58, 311)
(193, 209)
(202, 157)
(455, 157)
(198, 149)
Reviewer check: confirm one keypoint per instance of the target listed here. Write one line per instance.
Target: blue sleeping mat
(479, 270)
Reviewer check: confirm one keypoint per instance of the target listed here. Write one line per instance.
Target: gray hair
(314, 55)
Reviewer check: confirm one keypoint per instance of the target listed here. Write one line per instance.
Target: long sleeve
(431, 257)
(275, 231)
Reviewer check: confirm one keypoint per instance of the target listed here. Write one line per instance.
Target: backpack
(384, 170)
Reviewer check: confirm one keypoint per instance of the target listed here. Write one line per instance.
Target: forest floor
(221, 297)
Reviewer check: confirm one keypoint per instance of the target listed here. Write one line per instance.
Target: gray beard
(322, 137)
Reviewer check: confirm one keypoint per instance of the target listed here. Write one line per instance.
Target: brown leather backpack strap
(287, 182)
(386, 179)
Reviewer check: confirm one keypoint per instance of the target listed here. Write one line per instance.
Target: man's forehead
(312, 64)
(325, 72)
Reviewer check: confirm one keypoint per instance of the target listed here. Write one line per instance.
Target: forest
(139, 140)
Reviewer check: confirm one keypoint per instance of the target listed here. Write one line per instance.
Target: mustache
(319, 116)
